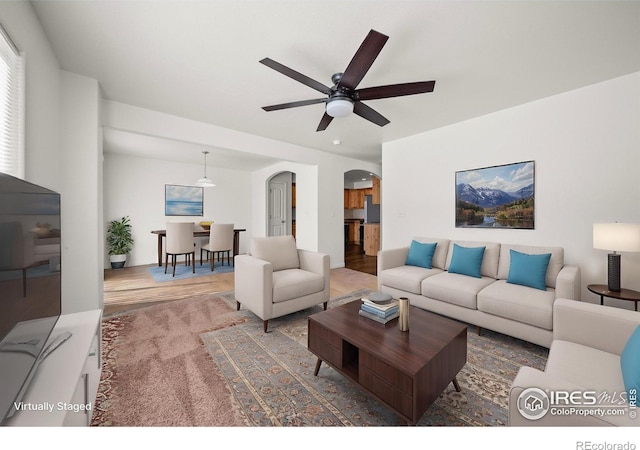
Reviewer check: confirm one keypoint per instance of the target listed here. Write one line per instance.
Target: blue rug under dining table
(184, 272)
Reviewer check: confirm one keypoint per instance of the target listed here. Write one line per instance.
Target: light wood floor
(134, 287)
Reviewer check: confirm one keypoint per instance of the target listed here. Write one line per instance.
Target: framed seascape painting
(496, 197)
(183, 200)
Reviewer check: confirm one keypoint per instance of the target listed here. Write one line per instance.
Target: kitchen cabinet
(354, 198)
(375, 191)
(293, 195)
(353, 230)
(371, 239)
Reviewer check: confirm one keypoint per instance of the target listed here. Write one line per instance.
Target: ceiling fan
(343, 98)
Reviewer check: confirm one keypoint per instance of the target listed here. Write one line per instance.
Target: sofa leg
(325, 304)
(265, 323)
(455, 384)
(479, 329)
(237, 305)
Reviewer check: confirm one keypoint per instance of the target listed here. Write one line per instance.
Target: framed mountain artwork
(496, 197)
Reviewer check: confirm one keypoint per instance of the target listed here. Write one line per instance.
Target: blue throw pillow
(630, 364)
(466, 260)
(528, 270)
(421, 254)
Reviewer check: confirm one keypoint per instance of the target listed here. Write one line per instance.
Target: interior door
(277, 208)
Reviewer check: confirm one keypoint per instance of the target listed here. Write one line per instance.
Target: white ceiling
(199, 60)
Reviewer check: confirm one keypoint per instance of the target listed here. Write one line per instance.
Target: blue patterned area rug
(271, 377)
(183, 272)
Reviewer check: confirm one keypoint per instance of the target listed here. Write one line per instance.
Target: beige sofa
(584, 359)
(276, 278)
(489, 301)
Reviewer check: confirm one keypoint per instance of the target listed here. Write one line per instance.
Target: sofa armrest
(602, 327)
(317, 263)
(253, 284)
(568, 283)
(393, 257)
(314, 262)
(529, 377)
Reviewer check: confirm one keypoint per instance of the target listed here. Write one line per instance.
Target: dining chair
(220, 242)
(180, 241)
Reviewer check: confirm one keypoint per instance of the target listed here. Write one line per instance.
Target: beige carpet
(157, 372)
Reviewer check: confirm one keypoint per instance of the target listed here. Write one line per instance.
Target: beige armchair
(276, 278)
(584, 361)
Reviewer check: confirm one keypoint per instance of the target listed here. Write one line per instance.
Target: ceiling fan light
(340, 107)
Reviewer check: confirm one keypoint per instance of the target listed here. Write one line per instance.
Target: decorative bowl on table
(380, 298)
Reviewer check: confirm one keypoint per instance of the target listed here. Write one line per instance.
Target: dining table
(198, 233)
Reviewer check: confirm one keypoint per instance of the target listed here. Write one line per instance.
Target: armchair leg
(325, 304)
(265, 323)
(237, 305)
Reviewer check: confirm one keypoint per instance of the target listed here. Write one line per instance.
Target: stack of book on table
(379, 307)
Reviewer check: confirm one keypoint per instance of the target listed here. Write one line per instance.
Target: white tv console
(64, 387)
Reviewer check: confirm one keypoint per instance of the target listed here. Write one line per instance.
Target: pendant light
(204, 181)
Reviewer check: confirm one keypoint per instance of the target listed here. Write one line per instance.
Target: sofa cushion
(556, 262)
(421, 254)
(520, 303)
(454, 288)
(630, 363)
(439, 260)
(294, 283)
(528, 270)
(280, 251)
(406, 278)
(490, 258)
(585, 366)
(466, 260)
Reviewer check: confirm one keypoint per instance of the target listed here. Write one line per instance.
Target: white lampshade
(340, 107)
(618, 237)
(205, 182)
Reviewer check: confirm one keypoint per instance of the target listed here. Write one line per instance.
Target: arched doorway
(281, 204)
(361, 220)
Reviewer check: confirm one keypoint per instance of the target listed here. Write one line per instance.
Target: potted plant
(119, 241)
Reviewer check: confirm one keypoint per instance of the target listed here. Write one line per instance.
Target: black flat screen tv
(30, 283)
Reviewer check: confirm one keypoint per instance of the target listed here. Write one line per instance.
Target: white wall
(319, 175)
(81, 193)
(586, 148)
(134, 187)
(42, 80)
(63, 146)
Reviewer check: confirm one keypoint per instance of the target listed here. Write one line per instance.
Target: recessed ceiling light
(337, 142)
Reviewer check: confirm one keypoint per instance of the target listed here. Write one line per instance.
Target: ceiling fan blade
(394, 90)
(370, 114)
(294, 104)
(363, 59)
(324, 123)
(296, 75)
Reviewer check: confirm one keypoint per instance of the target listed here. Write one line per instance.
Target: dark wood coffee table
(405, 370)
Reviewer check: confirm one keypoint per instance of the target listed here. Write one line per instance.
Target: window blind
(11, 108)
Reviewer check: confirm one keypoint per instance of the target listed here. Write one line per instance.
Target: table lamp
(616, 237)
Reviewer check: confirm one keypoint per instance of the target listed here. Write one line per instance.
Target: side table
(624, 294)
